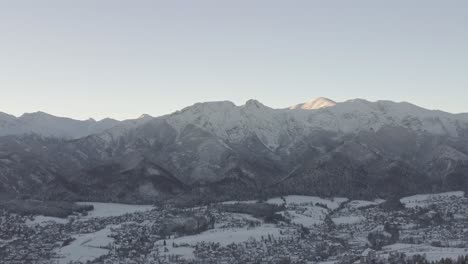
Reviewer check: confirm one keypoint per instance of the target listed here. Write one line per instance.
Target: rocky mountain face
(217, 150)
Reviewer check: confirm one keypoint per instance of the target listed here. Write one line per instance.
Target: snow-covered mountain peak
(254, 104)
(313, 104)
(145, 116)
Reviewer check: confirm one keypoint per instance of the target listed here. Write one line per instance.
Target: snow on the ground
(312, 215)
(348, 220)
(356, 204)
(424, 200)
(245, 217)
(331, 203)
(45, 220)
(307, 210)
(113, 209)
(432, 253)
(237, 202)
(237, 217)
(222, 236)
(86, 247)
(182, 252)
(100, 210)
(228, 236)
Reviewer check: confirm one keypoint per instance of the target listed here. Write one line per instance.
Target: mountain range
(216, 150)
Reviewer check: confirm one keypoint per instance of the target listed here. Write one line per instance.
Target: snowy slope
(113, 209)
(86, 247)
(425, 200)
(222, 236)
(234, 123)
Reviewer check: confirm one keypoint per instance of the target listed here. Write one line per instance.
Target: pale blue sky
(99, 58)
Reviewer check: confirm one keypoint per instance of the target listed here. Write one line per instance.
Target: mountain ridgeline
(216, 151)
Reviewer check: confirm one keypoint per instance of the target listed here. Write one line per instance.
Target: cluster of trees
(460, 260)
(418, 259)
(268, 212)
(401, 258)
(187, 225)
(47, 208)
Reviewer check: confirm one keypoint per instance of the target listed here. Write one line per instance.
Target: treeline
(184, 225)
(418, 259)
(60, 209)
(460, 260)
(401, 258)
(267, 212)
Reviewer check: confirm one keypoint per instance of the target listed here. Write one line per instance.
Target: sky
(120, 59)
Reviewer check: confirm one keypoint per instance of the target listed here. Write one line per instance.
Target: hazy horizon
(118, 59)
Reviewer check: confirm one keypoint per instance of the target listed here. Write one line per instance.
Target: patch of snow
(113, 209)
(356, 204)
(228, 236)
(86, 247)
(46, 220)
(348, 220)
(222, 236)
(244, 217)
(424, 200)
(312, 216)
(237, 202)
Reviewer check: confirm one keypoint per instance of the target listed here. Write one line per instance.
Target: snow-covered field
(228, 236)
(307, 216)
(113, 209)
(100, 210)
(424, 200)
(86, 247)
(222, 236)
(356, 204)
(236, 202)
(307, 210)
(91, 246)
(45, 220)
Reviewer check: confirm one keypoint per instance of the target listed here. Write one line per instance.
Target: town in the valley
(429, 228)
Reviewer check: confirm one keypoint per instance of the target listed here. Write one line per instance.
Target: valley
(304, 229)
